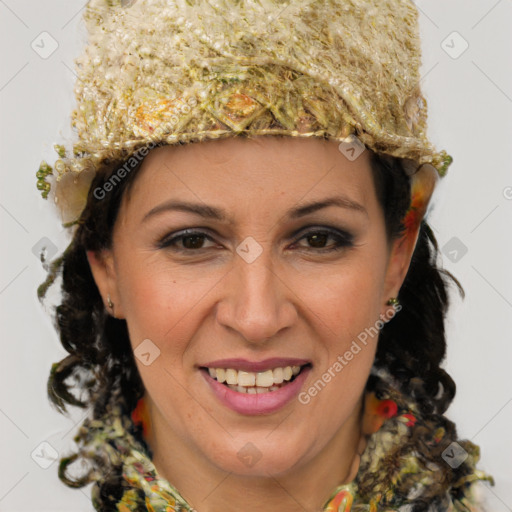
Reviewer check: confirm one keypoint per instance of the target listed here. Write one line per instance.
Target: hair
(411, 346)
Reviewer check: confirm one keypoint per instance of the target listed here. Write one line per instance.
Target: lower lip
(259, 403)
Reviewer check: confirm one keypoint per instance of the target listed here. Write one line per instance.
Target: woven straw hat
(169, 71)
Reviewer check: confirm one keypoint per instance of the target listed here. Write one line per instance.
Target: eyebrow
(219, 214)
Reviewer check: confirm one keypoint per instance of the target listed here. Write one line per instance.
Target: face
(263, 262)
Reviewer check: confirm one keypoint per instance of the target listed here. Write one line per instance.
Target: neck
(207, 488)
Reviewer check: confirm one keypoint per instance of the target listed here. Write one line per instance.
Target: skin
(293, 300)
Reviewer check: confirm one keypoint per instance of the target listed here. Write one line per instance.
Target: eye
(191, 240)
(317, 239)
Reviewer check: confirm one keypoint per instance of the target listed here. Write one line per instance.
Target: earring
(377, 411)
(393, 301)
(110, 304)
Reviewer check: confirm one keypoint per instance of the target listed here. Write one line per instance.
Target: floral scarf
(391, 476)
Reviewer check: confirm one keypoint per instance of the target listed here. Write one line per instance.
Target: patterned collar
(393, 475)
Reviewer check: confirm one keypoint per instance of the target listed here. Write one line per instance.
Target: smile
(256, 388)
(254, 382)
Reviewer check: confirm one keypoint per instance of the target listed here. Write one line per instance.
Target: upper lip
(256, 366)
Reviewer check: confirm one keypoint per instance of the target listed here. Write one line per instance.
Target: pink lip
(264, 403)
(256, 366)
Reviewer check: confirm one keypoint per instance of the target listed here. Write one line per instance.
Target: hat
(175, 71)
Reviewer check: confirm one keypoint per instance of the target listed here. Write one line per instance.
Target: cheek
(147, 298)
(348, 315)
(344, 312)
(159, 299)
(347, 297)
(345, 305)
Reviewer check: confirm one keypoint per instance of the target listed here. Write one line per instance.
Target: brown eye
(317, 239)
(194, 241)
(190, 240)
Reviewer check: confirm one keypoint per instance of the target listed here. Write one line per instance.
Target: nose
(257, 302)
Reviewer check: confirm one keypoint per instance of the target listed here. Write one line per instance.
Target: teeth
(253, 390)
(254, 382)
(265, 379)
(231, 376)
(246, 379)
(278, 376)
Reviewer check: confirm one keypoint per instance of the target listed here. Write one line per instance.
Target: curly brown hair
(101, 360)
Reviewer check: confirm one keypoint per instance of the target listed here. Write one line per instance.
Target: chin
(259, 457)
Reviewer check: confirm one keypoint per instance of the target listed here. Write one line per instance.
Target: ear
(103, 271)
(423, 183)
(398, 264)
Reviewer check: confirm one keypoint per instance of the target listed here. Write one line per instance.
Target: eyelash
(343, 240)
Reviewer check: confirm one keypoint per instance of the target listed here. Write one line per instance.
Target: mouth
(260, 382)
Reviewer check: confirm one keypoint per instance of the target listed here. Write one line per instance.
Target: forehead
(241, 170)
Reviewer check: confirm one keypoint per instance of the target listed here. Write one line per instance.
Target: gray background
(470, 100)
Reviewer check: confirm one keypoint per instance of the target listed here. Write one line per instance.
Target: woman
(233, 358)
